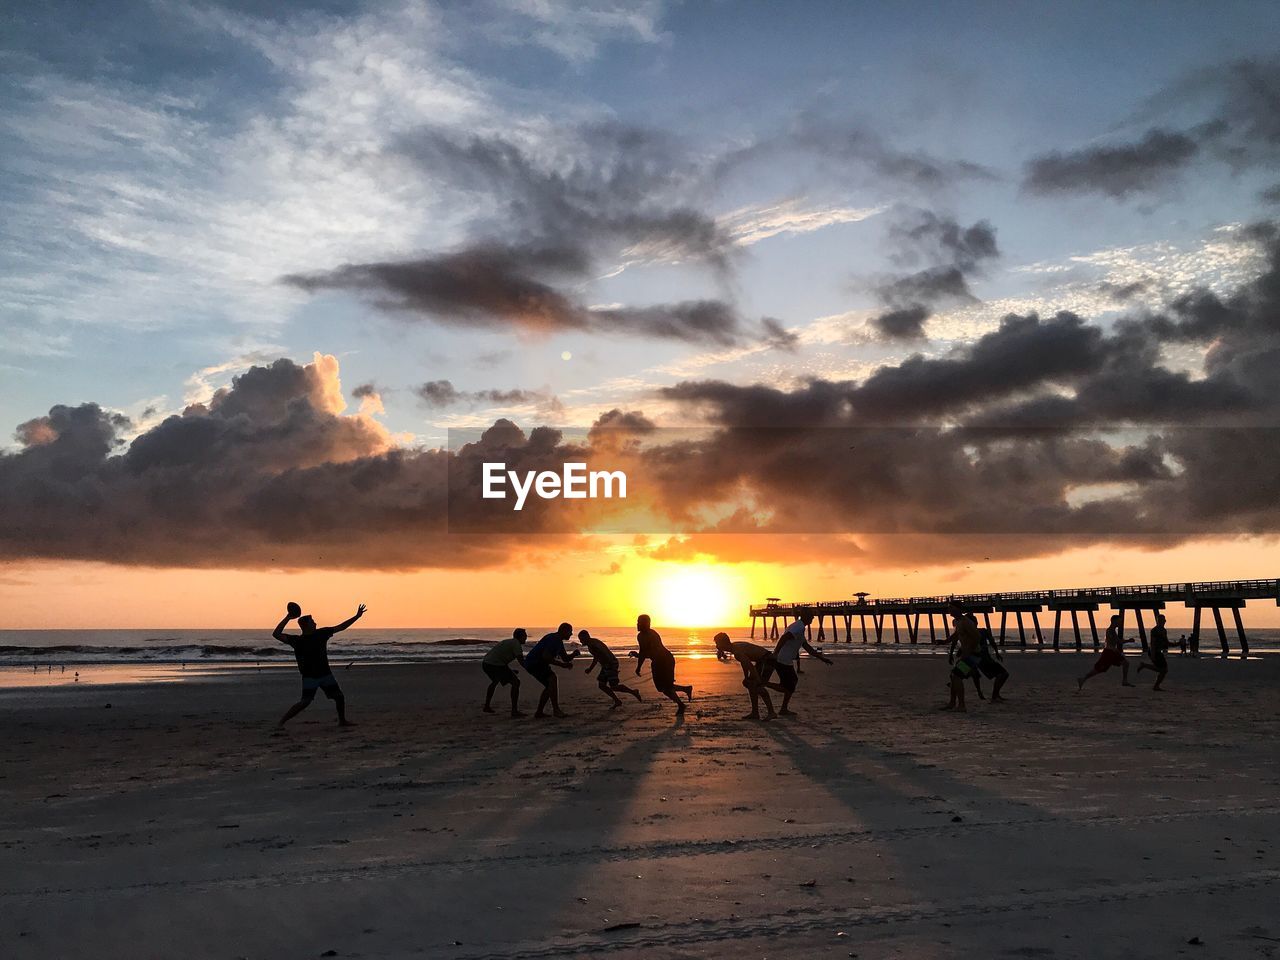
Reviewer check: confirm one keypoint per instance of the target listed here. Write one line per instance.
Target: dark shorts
(607, 676)
(539, 671)
(966, 667)
(503, 675)
(664, 673)
(991, 668)
(1110, 658)
(788, 679)
(326, 683)
(1158, 660)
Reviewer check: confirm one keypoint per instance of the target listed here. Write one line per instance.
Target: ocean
(45, 648)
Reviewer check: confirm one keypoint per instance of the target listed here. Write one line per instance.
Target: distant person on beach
(662, 660)
(968, 643)
(1158, 651)
(1112, 656)
(497, 667)
(990, 664)
(750, 656)
(608, 680)
(786, 653)
(1182, 644)
(548, 652)
(311, 650)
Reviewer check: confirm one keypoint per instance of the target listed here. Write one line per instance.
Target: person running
(548, 652)
(497, 667)
(608, 680)
(311, 650)
(663, 662)
(969, 643)
(786, 653)
(1112, 656)
(1158, 651)
(750, 656)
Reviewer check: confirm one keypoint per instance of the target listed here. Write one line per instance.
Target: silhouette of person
(750, 657)
(608, 680)
(311, 650)
(546, 653)
(1112, 656)
(663, 662)
(969, 641)
(497, 667)
(786, 653)
(1157, 650)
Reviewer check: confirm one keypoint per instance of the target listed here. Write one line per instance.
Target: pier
(910, 616)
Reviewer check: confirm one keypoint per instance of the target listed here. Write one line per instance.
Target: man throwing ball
(311, 650)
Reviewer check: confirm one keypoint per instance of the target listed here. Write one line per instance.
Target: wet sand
(178, 823)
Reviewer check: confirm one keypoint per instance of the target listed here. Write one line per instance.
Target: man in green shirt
(497, 667)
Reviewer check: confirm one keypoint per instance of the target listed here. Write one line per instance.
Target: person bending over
(497, 667)
(751, 657)
(311, 650)
(608, 679)
(662, 660)
(546, 653)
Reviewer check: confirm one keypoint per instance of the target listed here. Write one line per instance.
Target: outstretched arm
(350, 620)
(815, 653)
(592, 665)
(278, 632)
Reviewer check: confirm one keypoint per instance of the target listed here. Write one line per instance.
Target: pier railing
(1214, 596)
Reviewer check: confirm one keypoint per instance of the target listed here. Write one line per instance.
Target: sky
(896, 298)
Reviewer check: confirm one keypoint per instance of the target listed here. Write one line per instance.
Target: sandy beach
(178, 823)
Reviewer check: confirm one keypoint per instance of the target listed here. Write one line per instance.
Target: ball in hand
(294, 609)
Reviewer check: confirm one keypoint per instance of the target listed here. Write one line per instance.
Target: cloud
(1048, 427)
(1238, 126)
(270, 472)
(1114, 170)
(442, 393)
(954, 253)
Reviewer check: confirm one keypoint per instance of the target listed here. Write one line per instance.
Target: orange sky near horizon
(59, 594)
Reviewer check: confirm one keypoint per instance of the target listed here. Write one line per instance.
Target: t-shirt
(604, 656)
(790, 642)
(503, 652)
(311, 650)
(547, 649)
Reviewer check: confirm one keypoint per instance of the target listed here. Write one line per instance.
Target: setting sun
(698, 596)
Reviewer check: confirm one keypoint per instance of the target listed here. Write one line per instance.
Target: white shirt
(790, 643)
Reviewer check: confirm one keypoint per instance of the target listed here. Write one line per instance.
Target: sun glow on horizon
(697, 595)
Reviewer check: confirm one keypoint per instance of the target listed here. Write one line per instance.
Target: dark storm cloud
(1114, 170)
(1048, 428)
(954, 254)
(554, 215)
(1041, 407)
(906, 323)
(1240, 106)
(268, 473)
(442, 393)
